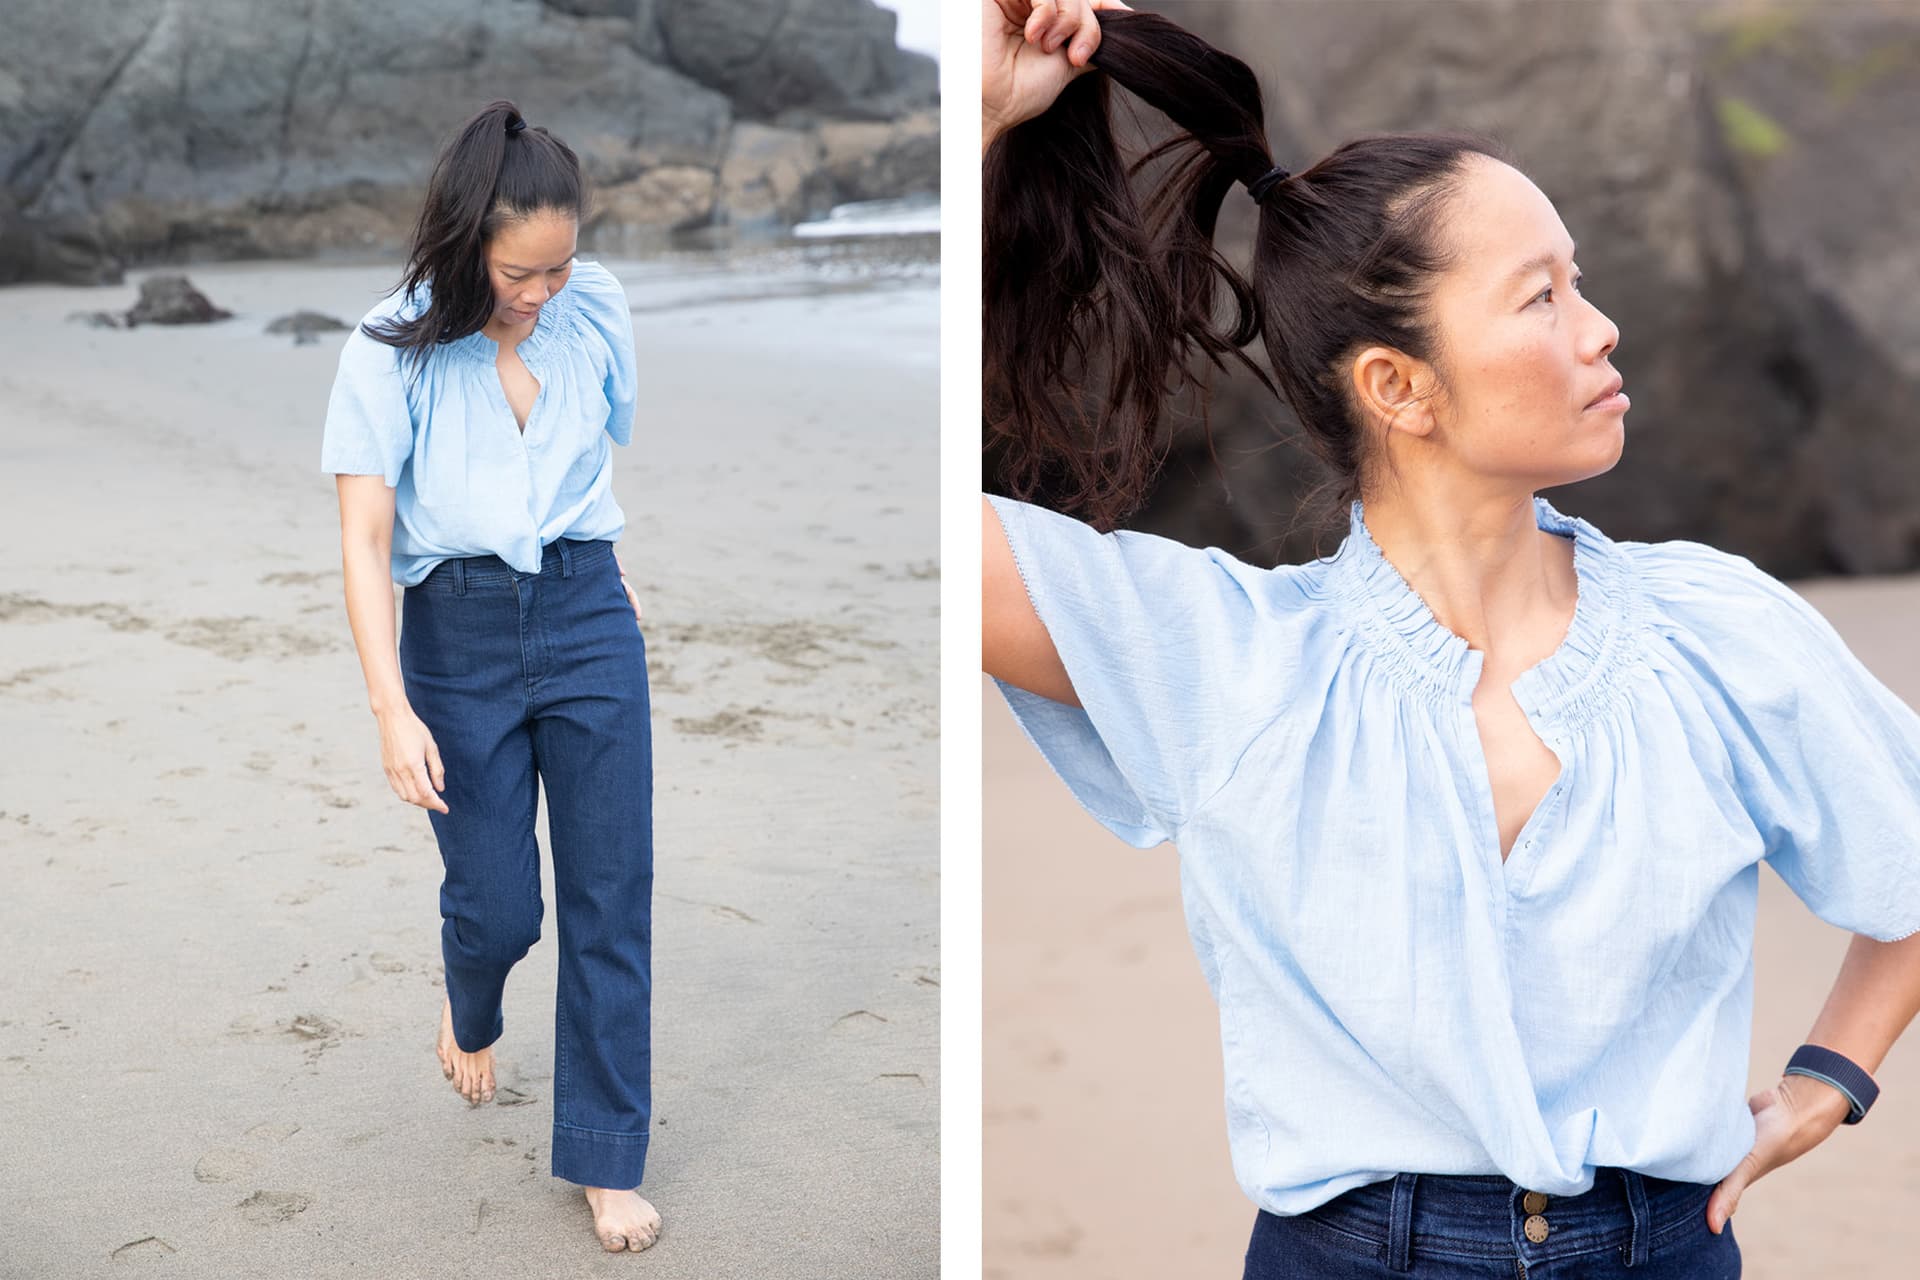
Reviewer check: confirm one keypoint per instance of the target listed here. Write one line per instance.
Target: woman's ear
(1387, 390)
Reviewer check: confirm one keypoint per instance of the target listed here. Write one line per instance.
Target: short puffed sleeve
(603, 308)
(1169, 653)
(1826, 756)
(369, 427)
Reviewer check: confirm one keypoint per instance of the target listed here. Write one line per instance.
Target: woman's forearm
(1876, 995)
(369, 583)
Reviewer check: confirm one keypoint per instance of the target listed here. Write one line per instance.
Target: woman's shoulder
(595, 293)
(367, 355)
(1684, 579)
(1125, 570)
(591, 276)
(399, 303)
(1731, 624)
(601, 319)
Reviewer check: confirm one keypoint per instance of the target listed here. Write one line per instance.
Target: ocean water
(908, 215)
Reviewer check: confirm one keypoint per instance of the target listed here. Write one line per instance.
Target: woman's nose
(1609, 332)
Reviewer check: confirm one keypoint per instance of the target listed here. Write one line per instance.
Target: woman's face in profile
(528, 262)
(1525, 353)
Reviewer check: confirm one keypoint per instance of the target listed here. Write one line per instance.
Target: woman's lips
(1608, 404)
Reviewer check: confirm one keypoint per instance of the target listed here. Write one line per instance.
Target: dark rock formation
(303, 325)
(837, 55)
(137, 131)
(173, 300)
(163, 300)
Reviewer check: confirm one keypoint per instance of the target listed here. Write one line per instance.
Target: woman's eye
(1549, 289)
(554, 272)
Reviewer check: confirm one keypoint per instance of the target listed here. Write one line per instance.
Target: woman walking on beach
(1470, 815)
(469, 426)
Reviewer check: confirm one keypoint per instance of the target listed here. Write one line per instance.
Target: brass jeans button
(1534, 1202)
(1536, 1227)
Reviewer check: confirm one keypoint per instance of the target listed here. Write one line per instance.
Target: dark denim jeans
(1455, 1226)
(518, 675)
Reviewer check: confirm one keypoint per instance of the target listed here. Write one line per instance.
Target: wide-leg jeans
(521, 676)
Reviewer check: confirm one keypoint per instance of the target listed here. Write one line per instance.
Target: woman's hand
(1029, 50)
(633, 597)
(412, 761)
(1789, 1120)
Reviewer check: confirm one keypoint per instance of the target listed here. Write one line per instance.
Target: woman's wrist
(1821, 1102)
(385, 705)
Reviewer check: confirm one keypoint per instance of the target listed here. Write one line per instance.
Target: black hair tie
(515, 125)
(1260, 185)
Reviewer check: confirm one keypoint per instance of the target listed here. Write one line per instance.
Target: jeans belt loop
(1400, 1223)
(1638, 1245)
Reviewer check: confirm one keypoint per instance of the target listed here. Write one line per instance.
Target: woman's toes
(614, 1241)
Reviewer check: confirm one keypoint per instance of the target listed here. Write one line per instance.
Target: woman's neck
(1484, 566)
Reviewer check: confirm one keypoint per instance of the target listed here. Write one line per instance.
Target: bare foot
(624, 1220)
(471, 1073)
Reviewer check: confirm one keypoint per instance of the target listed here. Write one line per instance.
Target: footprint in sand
(498, 1146)
(858, 1018)
(272, 1131)
(299, 897)
(145, 1249)
(316, 1031)
(223, 1164)
(270, 1208)
(330, 797)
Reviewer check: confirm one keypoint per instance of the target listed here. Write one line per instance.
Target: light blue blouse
(1392, 995)
(466, 481)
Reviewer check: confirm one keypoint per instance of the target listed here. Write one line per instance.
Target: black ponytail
(1343, 257)
(497, 170)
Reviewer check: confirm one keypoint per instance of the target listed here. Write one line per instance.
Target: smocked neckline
(1436, 663)
(556, 323)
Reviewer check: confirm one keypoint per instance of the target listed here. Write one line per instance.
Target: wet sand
(222, 977)
(1105, 1148)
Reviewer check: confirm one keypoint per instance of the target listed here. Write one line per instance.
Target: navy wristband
(1839, 1071)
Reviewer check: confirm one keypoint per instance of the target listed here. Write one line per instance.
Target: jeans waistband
(562, 557)
(1490, 1215)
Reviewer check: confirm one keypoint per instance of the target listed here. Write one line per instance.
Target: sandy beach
(1105, 1147)
(222, 962)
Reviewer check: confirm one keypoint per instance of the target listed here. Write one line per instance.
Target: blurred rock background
(135, 132)
(1740, 175)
